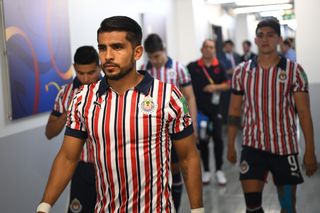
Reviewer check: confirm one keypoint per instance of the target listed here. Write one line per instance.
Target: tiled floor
(229, 199)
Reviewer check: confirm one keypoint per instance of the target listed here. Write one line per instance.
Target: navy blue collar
(142, 87)
(282, 63)
(76, 83)
(167, 65)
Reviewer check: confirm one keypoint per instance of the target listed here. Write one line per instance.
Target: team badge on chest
(282, 76)
(148, 105)
(171, 73)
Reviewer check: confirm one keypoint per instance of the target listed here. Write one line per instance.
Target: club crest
(244, 167)
(148, 105)
(282, 76)
(75, 206)
(171, 73)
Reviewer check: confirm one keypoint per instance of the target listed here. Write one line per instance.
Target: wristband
(44, 207)
(198, 210)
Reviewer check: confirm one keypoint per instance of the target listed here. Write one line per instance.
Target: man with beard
(131, 121)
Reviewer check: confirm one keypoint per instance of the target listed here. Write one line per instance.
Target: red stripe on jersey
(146, 162)
(121, 150)
(158, 168)
(273, 109)
(108, 143)
(134, 163)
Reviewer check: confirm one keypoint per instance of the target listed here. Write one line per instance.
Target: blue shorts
(256, 164)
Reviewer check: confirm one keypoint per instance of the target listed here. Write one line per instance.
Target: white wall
(307, 37)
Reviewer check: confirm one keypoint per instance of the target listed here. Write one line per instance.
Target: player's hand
(232, 154)
(210, 88)
(310, 163)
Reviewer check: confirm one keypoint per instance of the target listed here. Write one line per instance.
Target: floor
(229, 198)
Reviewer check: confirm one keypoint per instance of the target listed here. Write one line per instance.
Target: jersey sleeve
(184, 75)
(75, 125)
(58, 107)
(237, 81)
(180, 122)
(300, 83)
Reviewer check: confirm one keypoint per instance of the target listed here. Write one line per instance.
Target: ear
(138, 51)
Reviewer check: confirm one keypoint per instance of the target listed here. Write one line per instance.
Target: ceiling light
(241, 10)
(260, 2)
(221, 1)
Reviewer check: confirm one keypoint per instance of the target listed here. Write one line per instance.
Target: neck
(266, 61)
(207, 61)
(126, 82)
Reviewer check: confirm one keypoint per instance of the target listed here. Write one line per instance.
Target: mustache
(109, 63)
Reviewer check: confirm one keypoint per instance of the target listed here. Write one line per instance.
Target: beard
(121, 74)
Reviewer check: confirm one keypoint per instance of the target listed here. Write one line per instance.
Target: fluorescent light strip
(220, 1)
(260, 2)
(241, 10)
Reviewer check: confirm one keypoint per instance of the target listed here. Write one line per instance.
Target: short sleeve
(236, 82)
(184, 75)
(75, 122)
(300, 83)
(180, 122)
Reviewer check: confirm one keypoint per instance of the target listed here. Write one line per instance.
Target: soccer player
(83, 190)
(131, 121)
(272, 91)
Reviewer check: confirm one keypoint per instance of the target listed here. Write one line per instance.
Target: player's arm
(234, 121)
(55, 125)
(303, 108)
(191, 169)
(188, 93)
(62, 169)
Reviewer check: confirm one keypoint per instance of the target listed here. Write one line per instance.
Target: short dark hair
(229, 41)
(270, 22)
(247, 42)
(86, 55)
(153, 43)
(287, 42)
(123, 23)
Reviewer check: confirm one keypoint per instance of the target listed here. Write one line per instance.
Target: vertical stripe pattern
(131, 144)
(269, 106)
(61, 105)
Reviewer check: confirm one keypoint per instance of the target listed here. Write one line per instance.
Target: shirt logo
(282, 76)
(75, 206)
(171, 73)
(244, 167)
(148, 105)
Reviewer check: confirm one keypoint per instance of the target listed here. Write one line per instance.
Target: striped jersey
(269, 107)
(173, 72)
(61, 104)
(131, 138)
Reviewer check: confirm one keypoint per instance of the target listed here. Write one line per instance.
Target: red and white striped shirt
(131, 139)
(61, 104)
(269, 107)
(173, 72)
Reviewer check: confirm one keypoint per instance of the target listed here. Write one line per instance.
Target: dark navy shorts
(83, 189)
(256, 164)
(174, 155)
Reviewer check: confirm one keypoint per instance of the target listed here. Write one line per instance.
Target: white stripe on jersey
(131, 144)
(269, 106)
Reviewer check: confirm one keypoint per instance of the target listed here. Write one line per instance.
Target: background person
(269, 141)
(209, 79)
(82, 191)
(164, 68)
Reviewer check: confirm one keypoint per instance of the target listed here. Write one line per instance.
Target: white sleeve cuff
(198, 210)
(44, 207)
